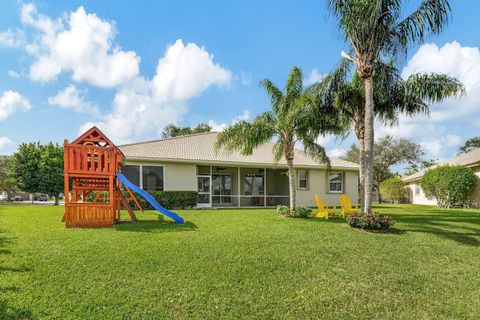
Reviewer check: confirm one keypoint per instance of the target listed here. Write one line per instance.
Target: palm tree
(392, 96)
(294, 118)
(376, 29)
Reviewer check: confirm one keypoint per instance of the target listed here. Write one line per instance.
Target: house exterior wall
(416, 195)
(183, 177)
(318, 184)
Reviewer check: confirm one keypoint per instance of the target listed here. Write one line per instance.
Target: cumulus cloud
(222, 126)
(81, 43)
(4, 143)
(11, 102)
(336, 152)
(12, 38)
(457, 61)
(142, 107)
(74, 99)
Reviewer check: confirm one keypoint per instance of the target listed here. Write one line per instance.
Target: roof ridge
(169, 138)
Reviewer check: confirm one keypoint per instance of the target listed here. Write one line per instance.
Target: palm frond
(276, 95)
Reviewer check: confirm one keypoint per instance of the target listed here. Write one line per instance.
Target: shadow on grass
(156, 226)
(7, 311)
(458, 226)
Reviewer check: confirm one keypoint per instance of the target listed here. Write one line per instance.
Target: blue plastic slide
(172, 215)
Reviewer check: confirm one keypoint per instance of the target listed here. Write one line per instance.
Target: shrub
(450, 185)
(299, 212)
(373, 221)
(393, 189)
(168, 199)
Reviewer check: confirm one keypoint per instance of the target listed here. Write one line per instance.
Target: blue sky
(131, 69)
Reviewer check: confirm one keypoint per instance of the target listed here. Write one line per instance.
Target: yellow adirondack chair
(346, 206)
(323, 211)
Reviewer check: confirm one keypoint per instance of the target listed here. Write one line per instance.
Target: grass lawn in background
(240, 264)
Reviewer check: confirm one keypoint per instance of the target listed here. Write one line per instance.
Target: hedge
(168, 199)
(450, 185)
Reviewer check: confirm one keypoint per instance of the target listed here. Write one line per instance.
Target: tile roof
(200, 148)
(468, 159)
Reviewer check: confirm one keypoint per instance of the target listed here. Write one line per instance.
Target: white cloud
(12, 38)
(222, 126)
(4, 143)
(12, 101)
(457, 61)
(80, 43)
(13, 74)
(314, 76)
(336, 152)
(74, 99)
(142, 107)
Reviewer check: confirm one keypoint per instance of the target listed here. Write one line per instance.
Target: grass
(240, 264)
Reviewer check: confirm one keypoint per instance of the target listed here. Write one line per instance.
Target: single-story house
(470, 159)
(224, 179)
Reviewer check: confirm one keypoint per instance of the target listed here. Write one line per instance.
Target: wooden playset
(93, 194)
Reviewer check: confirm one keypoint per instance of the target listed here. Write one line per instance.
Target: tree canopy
(172, 130)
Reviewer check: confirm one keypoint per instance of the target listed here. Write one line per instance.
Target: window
(335, 182)
(152, 178)
(302, 179)
(132, 173)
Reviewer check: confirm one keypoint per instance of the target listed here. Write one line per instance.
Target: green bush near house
(169, 199)
(450, 185)
(393, 190)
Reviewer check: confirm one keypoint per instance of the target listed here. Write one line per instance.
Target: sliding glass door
(221, 189)
(203, 187)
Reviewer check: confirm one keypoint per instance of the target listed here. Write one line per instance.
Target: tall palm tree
(294, 118)
(393, 95)
(376, 29)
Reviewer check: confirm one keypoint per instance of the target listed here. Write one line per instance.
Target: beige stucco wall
(318, 184)
(418, 198)
(183, 176)
(177, 176)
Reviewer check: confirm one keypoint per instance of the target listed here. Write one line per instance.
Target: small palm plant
(294, 118)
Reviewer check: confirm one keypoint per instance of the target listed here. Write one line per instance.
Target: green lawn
(240, 264)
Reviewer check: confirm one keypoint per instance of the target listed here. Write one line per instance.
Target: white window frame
(307, 179)
(342, 174)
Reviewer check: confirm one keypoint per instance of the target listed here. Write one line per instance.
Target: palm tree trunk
(57, 201)
(291, 183)
(361, 148)
(369, 140)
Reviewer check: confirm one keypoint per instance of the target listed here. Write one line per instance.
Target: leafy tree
(7, 183)
(393, 189)
(389, 151)
(376, 30)
(38, 168)
(51, 170)
(294, 118)
(172, 130)
(469, 145)
(26, 167)
(449, 185)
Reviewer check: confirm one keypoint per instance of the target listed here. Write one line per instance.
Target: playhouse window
(132, 173)
(152, 178)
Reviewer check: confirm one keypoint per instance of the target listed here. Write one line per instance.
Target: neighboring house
(470, 159)
(231, 179)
